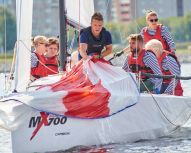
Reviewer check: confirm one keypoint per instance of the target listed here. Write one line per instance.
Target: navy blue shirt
(95, 44)
(84, 38)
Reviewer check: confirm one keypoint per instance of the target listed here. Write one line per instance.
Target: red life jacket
(137, 65)
(178, 89)
(52, 64)
(157, 36)
(39, 71)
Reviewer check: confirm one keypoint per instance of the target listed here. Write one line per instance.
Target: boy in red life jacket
(37, 58)
(154, 30)
(169, 65)
(140, 60)
(51, 54)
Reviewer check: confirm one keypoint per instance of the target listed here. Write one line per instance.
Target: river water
(178, 142)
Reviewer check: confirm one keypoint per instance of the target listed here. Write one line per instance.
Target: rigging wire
(163, 113)
(136, 53)
(120, 33)
(11, 76)
(5, 42)
(79, 24)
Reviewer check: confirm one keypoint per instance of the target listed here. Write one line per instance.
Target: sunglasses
(153, 20)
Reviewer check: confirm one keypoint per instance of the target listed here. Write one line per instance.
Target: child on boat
(50, 55)
(37, 58)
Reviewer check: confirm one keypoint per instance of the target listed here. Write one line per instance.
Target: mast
(63, 35)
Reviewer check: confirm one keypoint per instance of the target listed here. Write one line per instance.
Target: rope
(158, 106)
(160, 109)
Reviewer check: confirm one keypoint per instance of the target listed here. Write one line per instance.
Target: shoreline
(6, 66)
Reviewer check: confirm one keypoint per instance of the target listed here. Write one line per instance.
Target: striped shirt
(150, 61)
(165, 34)
(169, 63)
(34, 60)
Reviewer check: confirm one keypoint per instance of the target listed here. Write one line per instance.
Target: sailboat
(94, 103)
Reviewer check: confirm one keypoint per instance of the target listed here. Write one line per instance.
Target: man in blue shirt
(95, 40)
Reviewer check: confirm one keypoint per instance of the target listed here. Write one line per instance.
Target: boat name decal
(46, 120)
(34, 121)
(63, 133)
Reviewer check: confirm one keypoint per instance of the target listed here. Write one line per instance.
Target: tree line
(7, 29)
(179, 26)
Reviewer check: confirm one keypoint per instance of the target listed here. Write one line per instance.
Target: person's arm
(126, 65)
(150, 60)
(107, 51)
(34, 63)
(108, 45)
(82, 49)
(171, 65)
(168, 37)
(34, 60)
(83, 46)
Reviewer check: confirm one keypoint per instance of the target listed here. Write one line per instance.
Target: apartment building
(164, 8)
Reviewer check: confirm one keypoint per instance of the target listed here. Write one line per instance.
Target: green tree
(178, 26)
(7, 20)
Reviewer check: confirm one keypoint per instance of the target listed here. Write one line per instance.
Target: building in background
(45, 17)
(121, 10)
(164, 8)
(186, 6)
(114, 10)
(45, 12)
(104, 7)
(179, 7)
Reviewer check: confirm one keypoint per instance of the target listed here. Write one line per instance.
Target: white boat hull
(148, 119)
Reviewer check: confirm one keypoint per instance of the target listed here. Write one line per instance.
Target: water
(178, 142)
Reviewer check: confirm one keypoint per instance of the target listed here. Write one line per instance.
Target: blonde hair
(150, 13)
(53, 41)
(39, 39)
(154, 45)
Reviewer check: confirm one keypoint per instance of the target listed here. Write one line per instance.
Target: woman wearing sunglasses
(154, 30)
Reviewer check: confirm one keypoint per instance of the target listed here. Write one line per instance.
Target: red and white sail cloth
(92, 89)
